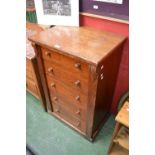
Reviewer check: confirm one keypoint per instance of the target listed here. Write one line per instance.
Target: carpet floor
(48, 136)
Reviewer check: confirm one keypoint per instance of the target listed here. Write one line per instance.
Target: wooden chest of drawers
(33, 81)
(78, 68)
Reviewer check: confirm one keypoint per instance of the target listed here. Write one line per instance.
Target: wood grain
(33, 82)
(66, 93)
(86, 43)
(78, 64)
(120, 139)
(123, 115)
(66, 77)
(64, 114)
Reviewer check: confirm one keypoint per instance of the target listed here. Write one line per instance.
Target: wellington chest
(33, 81)
(78, 69)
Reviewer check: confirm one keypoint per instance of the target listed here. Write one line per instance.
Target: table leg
(117, 127)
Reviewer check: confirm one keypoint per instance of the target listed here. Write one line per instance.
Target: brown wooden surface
(66, 63)
(41, 76)
(86, 43)
(122, 137)
(31, 29)
(78, 69)
(120, 140)
(66, 93)
(29, 75)
(30, 9)
(73, 110)
(92, 87)
(107, 71)
(32, 88)
(118, 150)
(65, 114)
(33, 81)
(123, 115)
(66, 77)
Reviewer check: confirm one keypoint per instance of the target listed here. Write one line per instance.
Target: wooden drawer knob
(78, 65)
(78, 112)
(50, 70)
(77, 98)
(77, 83)
(48, 54)
(55, 98)
(77, 124)
(52, 84)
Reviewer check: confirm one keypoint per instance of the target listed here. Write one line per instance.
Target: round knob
(48, 54)
(78, 112)
(50, 70)
(77, 98)
(77, 83)
(52, 84)
(55, 98)
(78, 65)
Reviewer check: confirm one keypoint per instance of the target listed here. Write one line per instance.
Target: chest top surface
(31, 29)
(86, 43)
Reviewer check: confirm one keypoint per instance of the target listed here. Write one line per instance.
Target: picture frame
(57, 12)
(110, 1)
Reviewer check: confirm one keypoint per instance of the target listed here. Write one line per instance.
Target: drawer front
(77, 112)
(28, 65)
(32, 87)
(71, 64)
(29, 75)
(66, 94)
(67, 116)
(74, 81)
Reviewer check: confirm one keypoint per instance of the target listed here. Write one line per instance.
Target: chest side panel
(107, 75)
(31, 82)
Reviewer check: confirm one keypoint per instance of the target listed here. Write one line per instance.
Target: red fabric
(122, 84)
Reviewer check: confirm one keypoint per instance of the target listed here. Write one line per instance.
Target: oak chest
(78, 69)
(33, 81)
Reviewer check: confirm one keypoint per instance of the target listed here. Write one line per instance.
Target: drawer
(29, 75)
(66, 94)
(31, 86)
(28, 65)
(75, 111)
(67, 63)
(67, 116)
(75, 81)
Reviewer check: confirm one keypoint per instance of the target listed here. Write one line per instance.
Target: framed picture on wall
(58, 12)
